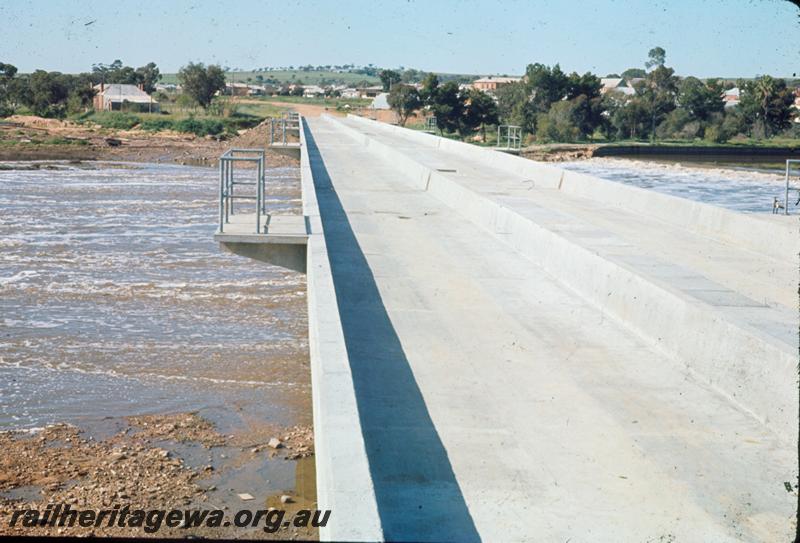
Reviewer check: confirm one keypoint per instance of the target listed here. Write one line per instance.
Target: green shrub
(200, 127)
(241, 122)
(65, 141)
(116, 119)
(156, 125)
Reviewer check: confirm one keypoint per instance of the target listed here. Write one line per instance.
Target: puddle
(27, 493)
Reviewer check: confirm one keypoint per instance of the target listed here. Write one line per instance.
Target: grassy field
(329, 102)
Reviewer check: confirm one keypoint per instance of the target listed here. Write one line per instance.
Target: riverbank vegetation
(659, 106)
(200, 109)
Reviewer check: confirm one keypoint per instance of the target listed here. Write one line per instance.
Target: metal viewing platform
(249, 230)
(284, 134)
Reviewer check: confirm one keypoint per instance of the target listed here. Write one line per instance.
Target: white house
(312, 91)
(119, 96)
(731, 97)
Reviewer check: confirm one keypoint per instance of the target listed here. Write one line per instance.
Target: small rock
(245, 496)
(275, 443)
(286, 499)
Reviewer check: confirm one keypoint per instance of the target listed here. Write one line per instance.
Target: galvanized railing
(788, 187)
(289, 121)
(511, 135)
(430, 124)
(228, 184)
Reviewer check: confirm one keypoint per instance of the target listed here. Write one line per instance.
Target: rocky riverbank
(149, 462)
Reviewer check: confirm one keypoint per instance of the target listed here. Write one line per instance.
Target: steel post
(221, 194)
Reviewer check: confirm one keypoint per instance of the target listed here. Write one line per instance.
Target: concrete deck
(291, 148)
(282, 241)
(499, 361)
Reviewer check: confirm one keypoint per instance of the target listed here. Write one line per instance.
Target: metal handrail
(430, 124)
(513, 136)
(227, 182)
(290, 120)
(789, 163)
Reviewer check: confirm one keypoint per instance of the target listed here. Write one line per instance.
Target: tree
(514, 106)
(448, 107)
(587, 112)
(545, 85)
(404, 100)
(479, 110)
(389, 78)
(767, 102)
(201, 82)
(659, 88)
(48, 93)
(559, 123)
(569, 120)
(633, 73)
(430, 86)
(657, 57)
(700, 100)
(7, 73)
(629, 116)
(148, 75)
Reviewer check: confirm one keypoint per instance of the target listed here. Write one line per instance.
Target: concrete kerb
(344, 481)
(718, 351)
(745, 230)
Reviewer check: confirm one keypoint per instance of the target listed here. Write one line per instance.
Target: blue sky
(705, 38)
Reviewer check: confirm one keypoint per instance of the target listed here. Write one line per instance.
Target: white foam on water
(743, 190)
(117, 298)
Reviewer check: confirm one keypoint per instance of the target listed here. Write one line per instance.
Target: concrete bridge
(505, 351)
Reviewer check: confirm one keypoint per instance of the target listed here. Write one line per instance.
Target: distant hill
(311, 77)
(292, 76)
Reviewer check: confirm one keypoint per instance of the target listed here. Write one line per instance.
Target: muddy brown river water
(115, 300)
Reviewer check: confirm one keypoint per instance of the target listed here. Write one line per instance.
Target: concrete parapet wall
(344, 481)
(775, 236)
(756, 371)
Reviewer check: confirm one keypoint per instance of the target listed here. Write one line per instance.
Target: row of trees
(456, 110)
(556, 106)
(559, 107)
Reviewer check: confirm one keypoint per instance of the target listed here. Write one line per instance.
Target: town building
(370, 92)
(123, 97)
(350, 93)
(731, 97)
(492, 83)
(313, 91)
